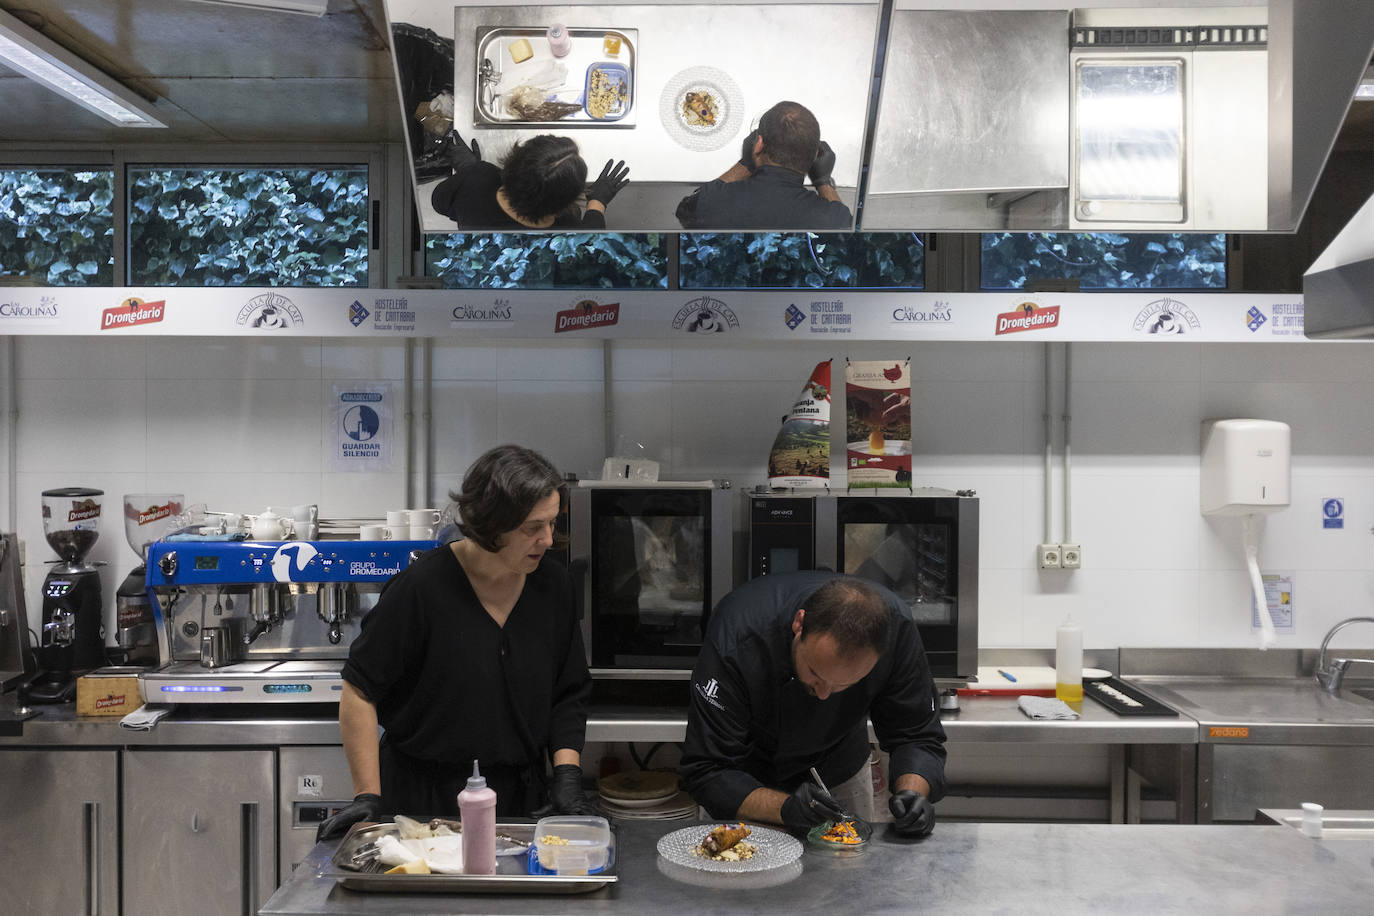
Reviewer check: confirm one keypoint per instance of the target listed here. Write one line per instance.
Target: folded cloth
(145, 717)
(1045, 708)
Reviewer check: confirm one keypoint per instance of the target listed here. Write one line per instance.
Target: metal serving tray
(512, 876)
(493, 47)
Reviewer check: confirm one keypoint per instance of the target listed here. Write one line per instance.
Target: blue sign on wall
(1333, 512)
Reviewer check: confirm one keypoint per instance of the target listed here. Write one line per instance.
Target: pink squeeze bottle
(477, 810)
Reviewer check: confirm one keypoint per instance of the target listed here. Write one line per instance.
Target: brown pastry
(723, 837)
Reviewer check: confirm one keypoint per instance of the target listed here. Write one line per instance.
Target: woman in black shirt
(536, 187)
(473, 652)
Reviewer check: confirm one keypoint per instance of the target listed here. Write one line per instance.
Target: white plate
(638, 802)
(776, 850)
(729, 108)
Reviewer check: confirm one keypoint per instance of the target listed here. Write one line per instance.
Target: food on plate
(611, 45)
(528, 104)
(700, 109)
(520, 50)
(418, 867)
(605, 92)
(842, 832)
(725, 843)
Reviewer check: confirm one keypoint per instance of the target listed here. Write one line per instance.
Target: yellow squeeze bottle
(1068, 662)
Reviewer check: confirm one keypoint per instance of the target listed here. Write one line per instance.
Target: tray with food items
(555, 856)
(555, 77)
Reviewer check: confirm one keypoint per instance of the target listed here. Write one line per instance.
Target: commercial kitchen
(207, 484)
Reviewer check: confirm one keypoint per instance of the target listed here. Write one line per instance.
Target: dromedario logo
(1028, 316)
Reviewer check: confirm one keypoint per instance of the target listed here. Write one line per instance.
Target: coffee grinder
(148, 517)
(72, 639)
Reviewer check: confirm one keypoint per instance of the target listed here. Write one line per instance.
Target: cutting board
(1030, 680)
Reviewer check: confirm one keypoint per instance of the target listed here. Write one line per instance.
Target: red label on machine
(83, 511)
(1229, 731)
(111, 700)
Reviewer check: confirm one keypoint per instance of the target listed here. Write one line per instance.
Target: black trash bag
(424, 59)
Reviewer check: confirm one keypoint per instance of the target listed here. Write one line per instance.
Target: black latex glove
(822, 166)
(365, 807)
(912, 813)
(810, 806)
(456, 154)
(746, 150)
(565, 793)
(613, 177)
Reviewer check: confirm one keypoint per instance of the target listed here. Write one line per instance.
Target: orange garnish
(843, 832)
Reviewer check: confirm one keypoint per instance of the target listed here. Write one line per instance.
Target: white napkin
(1045, 708)
(145, 717)
(444, 854)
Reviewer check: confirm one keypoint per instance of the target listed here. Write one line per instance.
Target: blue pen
(1005, 675)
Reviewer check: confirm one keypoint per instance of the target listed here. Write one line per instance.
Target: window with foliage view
(848, 260)
(1105, 260)
(248, 226)
(567, 261)
(57, 226)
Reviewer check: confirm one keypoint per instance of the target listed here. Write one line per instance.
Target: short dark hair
(791, 136)
(855, 615)
(543, 176)
(501, 489)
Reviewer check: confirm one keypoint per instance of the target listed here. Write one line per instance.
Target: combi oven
(923, 546)
(651, 561)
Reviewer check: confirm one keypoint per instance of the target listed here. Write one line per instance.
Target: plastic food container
(604, 77)
(570, 845)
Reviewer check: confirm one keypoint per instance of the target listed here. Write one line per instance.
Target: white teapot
(269, 526)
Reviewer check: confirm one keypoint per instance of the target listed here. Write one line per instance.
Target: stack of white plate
(645, 795)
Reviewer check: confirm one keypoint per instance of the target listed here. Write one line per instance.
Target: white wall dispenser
(1246, 472)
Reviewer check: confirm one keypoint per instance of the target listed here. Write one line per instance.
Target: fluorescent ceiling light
(41, 59)
(305, 7)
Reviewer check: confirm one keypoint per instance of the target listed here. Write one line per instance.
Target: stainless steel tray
(511, 876)
(493, 59)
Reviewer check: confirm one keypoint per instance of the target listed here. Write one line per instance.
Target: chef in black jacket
(792, 667)
(472, 652)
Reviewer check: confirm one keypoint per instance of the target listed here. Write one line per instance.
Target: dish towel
(1045, 708)
(145, 717)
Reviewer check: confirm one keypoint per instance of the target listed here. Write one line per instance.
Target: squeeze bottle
(560, 42)
(1068, 662)
(477, 811)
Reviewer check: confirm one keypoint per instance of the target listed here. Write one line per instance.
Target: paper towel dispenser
(1245, 466)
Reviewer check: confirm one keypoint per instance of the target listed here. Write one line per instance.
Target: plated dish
(843, 837)
(702, 108)
(770, 849)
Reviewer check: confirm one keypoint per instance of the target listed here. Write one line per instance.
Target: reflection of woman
(473, 652)
(536, 187)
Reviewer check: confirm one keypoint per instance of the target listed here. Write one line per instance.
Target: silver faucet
(1330, 677)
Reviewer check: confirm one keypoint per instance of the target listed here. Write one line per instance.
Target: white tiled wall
(240, 424)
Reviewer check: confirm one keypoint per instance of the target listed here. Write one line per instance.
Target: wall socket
(1050, 557)
(1070, 556)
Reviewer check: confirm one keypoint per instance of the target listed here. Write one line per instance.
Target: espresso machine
(71, 628)
(147, 518)
(256, 621)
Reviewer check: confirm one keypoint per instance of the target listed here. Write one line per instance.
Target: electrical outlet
(1070, 556)
(1049, 556)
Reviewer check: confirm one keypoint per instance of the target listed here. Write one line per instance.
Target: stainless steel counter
(979, 719)
(961, 868)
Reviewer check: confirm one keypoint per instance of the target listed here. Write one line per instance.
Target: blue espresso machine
(244, 621)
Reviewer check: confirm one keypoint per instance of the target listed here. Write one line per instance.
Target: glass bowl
(863, 832)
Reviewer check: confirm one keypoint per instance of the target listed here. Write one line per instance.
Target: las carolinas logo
(1028, 317)
(586, 314)
(132, 311)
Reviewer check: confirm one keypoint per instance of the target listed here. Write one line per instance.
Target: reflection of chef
(766, 188)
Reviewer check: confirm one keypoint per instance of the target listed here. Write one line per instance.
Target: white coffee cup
(429, 517)
(397, 532)
(373, 533)
(395, 517)
(422, 532)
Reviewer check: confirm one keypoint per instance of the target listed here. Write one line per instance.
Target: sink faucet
(1330, 677)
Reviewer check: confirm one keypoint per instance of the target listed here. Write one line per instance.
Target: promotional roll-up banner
(801, 451)
(878, 423)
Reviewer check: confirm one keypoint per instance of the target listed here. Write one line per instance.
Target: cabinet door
(60, 809)
(199, 831)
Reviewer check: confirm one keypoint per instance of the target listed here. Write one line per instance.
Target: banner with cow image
(800, 456)
(878, 423)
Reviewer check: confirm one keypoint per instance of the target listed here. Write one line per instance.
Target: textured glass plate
(776, 849)
(861, 827)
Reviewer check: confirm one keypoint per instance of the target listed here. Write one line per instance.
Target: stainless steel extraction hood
(1338, 289)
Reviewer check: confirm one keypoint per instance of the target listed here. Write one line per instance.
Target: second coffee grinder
(72, 639)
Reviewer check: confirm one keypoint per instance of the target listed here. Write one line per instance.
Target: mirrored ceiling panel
(555, 97)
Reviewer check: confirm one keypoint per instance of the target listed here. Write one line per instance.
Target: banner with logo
(800, 456)
(360, 426)
(878, 423)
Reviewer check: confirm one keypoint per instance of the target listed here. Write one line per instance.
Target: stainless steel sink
(1262, 701)
(1336, 825)
(1363, 692)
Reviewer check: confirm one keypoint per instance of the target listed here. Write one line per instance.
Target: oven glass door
(911, 547)
(650, 577)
